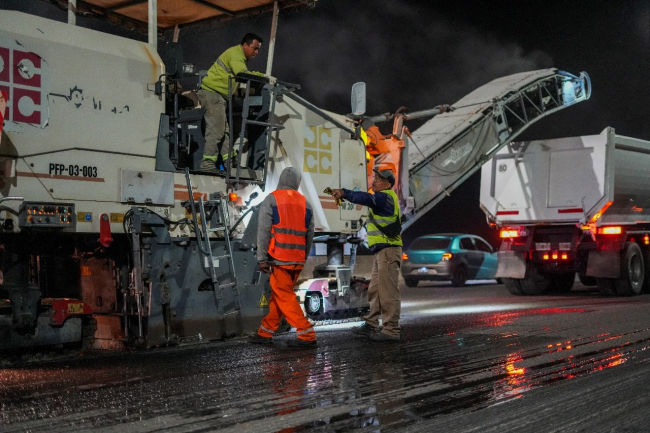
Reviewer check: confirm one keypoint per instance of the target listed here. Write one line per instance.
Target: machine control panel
(47, 215)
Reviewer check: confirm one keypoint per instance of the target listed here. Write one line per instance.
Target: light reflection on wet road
(464, 351)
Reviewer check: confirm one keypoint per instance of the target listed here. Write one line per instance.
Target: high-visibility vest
(375, 236)
(289, 235)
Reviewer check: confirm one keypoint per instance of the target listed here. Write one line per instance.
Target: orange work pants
(283, 302)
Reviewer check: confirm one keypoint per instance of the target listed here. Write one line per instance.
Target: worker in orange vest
(284, 236)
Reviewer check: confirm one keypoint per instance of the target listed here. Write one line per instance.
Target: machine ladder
(217, 206)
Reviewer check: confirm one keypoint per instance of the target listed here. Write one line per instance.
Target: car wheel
(411, 282)
(460, 276)
(313, 303)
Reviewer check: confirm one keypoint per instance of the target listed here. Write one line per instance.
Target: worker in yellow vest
(383, 228)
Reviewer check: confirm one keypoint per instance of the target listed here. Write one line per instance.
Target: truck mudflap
(511, 264)
(604, 264)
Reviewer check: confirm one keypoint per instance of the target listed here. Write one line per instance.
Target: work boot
(301, 343)
(364, 330)
(380, 336)
(208, 166)
(258, 339)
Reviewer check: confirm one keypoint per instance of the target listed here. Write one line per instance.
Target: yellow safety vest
(375, 236)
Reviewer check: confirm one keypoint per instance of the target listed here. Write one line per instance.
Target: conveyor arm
(449, 148)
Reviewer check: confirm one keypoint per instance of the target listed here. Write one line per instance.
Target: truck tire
(460, 276)
(513, 285)
(630, 283)
(535, 283)
(606, 286)
(587, 281)
(313, 304)
(563, 283)
(646, 277)
(410, 282)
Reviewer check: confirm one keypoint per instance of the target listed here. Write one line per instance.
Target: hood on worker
(289, 179)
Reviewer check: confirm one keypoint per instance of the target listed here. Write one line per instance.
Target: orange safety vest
(289, 235)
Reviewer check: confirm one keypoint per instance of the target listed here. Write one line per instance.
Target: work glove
(272, 80)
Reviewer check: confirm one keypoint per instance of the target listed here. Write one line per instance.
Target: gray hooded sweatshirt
(289, 179)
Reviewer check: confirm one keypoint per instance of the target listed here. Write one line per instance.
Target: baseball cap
(386, 174)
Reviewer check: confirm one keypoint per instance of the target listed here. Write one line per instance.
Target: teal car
(448, 257)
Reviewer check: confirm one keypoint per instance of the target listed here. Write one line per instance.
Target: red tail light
(405, 256)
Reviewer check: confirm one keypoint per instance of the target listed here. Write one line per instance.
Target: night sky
(420, 54)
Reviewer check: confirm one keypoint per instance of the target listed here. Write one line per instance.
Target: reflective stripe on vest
(375, 236)
(289, 235)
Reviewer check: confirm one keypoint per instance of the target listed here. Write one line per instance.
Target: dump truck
(567, 206)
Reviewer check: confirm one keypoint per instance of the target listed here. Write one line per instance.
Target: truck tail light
(509, 233)
(232, 196)
(564, 256)
(447, 256)
(554, 256)
(546, 256)
(612, 230)
(405, 256)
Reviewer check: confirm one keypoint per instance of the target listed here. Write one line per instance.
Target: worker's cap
(386, 174)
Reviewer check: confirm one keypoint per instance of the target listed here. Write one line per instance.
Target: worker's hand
(272, 80)
(337, 193)
(265, 268)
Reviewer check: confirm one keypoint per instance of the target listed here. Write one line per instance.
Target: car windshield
(430, 244)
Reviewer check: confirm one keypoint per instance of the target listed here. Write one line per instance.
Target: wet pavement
(471, 359)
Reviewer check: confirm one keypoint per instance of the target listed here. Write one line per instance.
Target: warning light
(613, 230)
(405, 256)
(232, 196)
(447, 256)
(508, 233)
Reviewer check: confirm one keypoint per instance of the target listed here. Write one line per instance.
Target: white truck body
(598, 179)
(577, 204)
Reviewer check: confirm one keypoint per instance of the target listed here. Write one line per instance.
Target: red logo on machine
(21, 78)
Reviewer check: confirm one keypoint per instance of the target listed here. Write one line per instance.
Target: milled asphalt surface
(471, 359)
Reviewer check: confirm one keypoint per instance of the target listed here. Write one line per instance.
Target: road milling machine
(111, 234)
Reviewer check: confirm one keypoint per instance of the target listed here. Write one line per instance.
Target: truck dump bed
(576, 180)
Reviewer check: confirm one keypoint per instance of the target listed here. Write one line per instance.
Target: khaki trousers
(216, 123)
(383, 292)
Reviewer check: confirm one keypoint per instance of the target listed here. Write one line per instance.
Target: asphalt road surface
(471, 359)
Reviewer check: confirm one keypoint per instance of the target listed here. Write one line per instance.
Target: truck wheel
(460, 276)
(563, 283)
(535, 283)
(606, 286)
(411, 282)
(313, 304)
(587, 281)
(630, 282)
(513, 285)
(646, 277)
